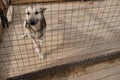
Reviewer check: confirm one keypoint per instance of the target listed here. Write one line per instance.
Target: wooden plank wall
(3, 6)
(31, 1)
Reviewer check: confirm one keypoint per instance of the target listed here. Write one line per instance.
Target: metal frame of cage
(66, 67)
(75, 60)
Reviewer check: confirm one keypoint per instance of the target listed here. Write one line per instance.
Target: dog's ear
(44, 9)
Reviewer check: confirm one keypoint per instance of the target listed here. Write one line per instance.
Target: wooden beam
(3, 6)
(34, 1)
(5, 2)
(10, 13)
(66, 67)
(1, 31)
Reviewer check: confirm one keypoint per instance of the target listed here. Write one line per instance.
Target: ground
(109, 70)
(75, 31)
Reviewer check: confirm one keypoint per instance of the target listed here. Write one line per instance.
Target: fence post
(3, 12)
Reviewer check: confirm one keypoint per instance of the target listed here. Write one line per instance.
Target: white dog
(35, 25)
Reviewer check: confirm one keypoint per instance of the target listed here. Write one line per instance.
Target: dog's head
(33, 14)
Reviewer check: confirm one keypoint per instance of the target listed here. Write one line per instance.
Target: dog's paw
(24, 36)
(38, 50)
(41, 42)
(41, 56)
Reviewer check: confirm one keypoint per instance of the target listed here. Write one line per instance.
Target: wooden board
(10, 13)
(31, 1)
(1, 31)
(3, 6)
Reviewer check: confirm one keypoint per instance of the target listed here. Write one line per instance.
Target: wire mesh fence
(75, 30)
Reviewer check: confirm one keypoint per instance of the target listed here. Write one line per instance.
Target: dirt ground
(75, 31)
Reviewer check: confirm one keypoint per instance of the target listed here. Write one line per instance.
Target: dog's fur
(35, 25)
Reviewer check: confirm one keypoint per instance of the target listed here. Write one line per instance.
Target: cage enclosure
(77, 33)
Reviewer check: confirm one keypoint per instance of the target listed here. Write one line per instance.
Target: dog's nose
(33, 21)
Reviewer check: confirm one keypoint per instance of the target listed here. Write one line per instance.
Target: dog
(35, 25)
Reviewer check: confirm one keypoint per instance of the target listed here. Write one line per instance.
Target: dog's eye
(36, 12)
(28, 13)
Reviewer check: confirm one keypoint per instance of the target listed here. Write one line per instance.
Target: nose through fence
(33, 21)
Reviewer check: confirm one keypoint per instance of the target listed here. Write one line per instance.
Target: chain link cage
(77, 32)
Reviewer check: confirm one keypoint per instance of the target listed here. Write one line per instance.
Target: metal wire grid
(54, 72)
(71, 27)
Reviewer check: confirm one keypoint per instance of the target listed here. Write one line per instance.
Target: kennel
(78, 33)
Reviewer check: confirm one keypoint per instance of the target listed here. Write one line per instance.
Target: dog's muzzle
(33, 21)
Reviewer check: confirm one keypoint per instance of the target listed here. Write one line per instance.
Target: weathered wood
(5, 2)
(99, 69)
(3, 6)
(1, 31)
(10, 13)
(31, 1)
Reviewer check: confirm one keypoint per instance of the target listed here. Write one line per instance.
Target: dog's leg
(42, 40)
(38, 48)
(25, 34)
